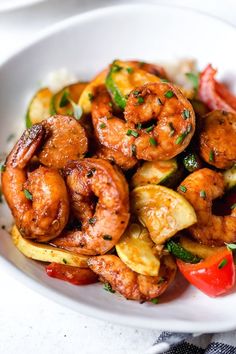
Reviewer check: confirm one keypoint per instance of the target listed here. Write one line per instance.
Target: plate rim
(51, 293)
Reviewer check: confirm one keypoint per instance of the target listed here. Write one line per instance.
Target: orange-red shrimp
(99, 200)
(218, 139)
(164, 120)
(38, 200)
(130, 284)
(65, 140)
(200, 189)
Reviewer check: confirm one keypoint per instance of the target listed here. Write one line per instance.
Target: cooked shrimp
(65, 140)
(116, 156)
(130, 284)
(111, 131)
(165, 120)
(200, 188)
(103, 222)
(39, 200)
(218, 139)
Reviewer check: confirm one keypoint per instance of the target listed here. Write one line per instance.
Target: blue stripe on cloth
(220, 348)
(176, 343)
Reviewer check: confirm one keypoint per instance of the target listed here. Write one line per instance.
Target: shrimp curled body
(202, 187)
(159, 122)
(103, 222)
(39, 199)
(218, 139)
(165, 118)
(130, 284)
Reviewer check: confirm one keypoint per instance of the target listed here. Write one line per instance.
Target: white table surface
(30, 323)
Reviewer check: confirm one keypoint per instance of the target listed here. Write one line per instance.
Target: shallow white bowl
(85, 44)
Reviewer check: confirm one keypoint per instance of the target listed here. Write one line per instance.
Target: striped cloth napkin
(187, 343)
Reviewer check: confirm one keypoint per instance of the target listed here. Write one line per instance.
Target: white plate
(85, 44)
(9, 5)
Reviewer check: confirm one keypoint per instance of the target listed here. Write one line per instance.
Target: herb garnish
(172, 129)
(149, 129)
(64, 261)
(92, 221)
(132, 132)
(169, 94)
(116, 68)
(108, 287)
(211, 156)
(102, 125)
(233, 206)
(27, 194)
(133, 149)
(186, 114)
(161, 280)
(203, 194)
(129, 70)
(90, 96)
(77, 110)
(2, 167)
(64, 99)
(183, 188)
(155, 300)
(194, 78)
(107, 237)
(136, 92)
(140, 100)
(139, 126)
(182, 136)
(153, 141)
(222, 263)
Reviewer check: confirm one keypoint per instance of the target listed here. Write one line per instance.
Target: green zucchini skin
(118, 98)
(39, 107)
(73, 91)
(179, 252)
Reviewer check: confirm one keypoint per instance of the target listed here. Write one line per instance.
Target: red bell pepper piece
(214, 276)
(215, 95)
(73, 275)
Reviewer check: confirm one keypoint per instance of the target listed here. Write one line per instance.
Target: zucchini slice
(122, 78)
(230, 177)
(137, 251)
(154, 172)
(61, 104)
(46, 253)
(39, 107)
(162, 211)
(180, 252)
(85, 100)
(196, 248)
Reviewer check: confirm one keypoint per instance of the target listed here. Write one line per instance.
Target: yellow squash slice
(137, 251)
(85, 100)
(46, 253)
(154, 172)
(198, 249)
(162, 211)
